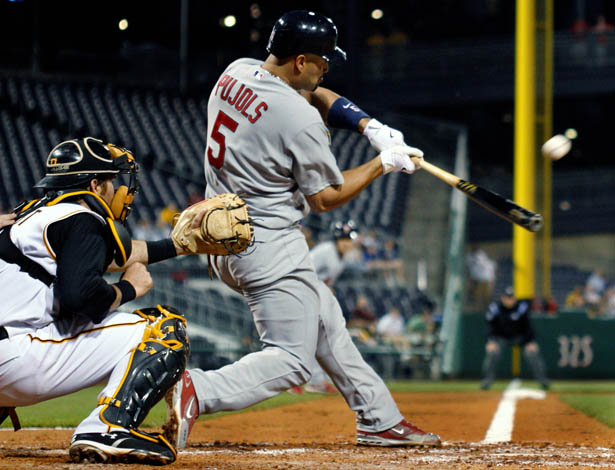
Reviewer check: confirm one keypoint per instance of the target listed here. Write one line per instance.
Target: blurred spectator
(421, 328)
(371, 247)
(362, 315)
(391, 328)
(482, 271)
(168, 212)
(575, 298)
(544, 305)
(362, 321)
(594, 289)
(608, 303)
(391, 323)
(421, 334)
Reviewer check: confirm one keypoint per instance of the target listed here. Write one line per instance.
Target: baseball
(556, 147)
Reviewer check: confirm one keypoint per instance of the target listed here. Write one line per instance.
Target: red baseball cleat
(182, 411)
(322, 387)
(403, 434)
(298, 390)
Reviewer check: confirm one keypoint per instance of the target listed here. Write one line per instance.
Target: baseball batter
(268, 142)
(60, 331)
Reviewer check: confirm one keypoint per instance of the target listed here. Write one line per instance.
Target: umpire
(508, 322)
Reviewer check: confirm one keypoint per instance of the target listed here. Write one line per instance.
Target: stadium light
(229, 21)
(123, 24)
(377, 14)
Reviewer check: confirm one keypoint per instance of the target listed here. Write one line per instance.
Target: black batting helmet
(301, 31)
(346, 229)
(73, 163)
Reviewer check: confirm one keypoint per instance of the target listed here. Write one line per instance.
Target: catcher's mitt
(225, 229)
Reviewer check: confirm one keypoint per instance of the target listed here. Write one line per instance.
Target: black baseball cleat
(403, 434)
(122, 447)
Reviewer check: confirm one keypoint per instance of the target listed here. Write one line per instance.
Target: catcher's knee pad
(155, 365)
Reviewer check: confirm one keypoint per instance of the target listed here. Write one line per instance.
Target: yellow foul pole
(524, 250)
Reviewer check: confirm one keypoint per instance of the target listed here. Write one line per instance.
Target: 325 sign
(575, 351)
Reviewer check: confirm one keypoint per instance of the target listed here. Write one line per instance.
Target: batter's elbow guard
(155, 365)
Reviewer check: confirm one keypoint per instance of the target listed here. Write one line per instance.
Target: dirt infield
(320, 435)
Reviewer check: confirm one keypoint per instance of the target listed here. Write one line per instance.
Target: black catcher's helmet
(73, 163)
(301, 31)
(346, 229)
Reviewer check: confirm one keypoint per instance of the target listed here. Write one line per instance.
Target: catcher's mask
(72, 164)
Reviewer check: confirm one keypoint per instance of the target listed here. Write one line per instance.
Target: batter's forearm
(355, 181)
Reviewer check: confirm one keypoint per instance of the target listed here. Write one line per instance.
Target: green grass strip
(594, 398)
(70, 410)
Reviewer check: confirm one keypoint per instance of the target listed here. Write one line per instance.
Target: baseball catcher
(60, 319)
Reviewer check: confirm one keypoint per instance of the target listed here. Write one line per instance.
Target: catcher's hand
(219, 225)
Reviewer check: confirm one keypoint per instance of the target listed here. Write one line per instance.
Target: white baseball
(556, 147)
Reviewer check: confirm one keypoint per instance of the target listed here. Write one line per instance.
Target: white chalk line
(503, 421)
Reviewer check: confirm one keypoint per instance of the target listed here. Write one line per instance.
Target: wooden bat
(491, 201)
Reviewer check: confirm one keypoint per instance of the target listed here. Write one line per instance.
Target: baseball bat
(493, 202)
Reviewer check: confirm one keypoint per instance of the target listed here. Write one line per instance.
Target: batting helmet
(346, 229)
(301, 31)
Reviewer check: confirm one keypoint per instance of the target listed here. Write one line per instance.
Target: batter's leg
(364, 391)
(285, 315)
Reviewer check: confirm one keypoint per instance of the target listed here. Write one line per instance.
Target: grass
(69, 410)
(599, 406)
(594, 398)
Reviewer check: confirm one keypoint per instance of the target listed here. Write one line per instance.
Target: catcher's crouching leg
(155, 365)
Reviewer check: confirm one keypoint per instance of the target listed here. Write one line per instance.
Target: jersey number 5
(226, 121)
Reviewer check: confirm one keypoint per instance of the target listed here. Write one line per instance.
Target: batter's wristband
(160, 250)
(344, 114)
(128, 291)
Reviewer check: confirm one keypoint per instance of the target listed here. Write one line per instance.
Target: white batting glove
(381, 136)
(398, 159)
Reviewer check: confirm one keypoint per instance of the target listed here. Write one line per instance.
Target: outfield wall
(573, 346)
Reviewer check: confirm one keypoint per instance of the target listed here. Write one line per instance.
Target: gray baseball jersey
(268, 144)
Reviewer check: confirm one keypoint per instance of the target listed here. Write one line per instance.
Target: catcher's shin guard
(155, 365)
